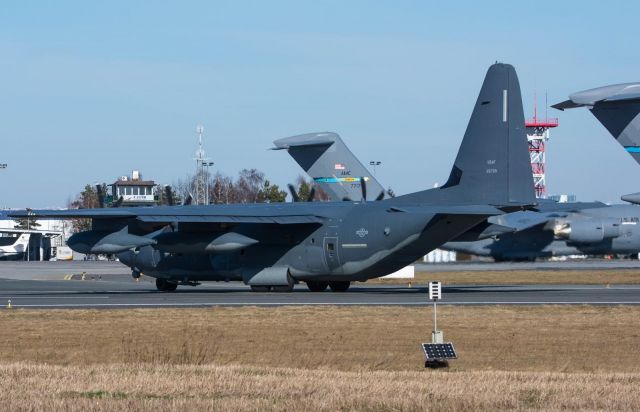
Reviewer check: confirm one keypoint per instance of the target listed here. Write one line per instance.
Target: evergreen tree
(271, 193)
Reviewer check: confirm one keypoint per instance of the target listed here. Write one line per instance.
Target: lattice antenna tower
(201, 173)
(538, 136)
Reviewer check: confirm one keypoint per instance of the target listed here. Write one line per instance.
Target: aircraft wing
(185, 214)
(73, 213)
(33, 231)
(281, 220)
(486, 210)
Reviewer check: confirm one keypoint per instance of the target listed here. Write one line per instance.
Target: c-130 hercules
(272, 246)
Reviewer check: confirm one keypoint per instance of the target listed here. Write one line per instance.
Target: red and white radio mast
(538, 135)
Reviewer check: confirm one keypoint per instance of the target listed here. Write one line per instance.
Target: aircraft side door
(331, 254)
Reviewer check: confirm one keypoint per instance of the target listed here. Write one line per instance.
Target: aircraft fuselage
(360, 241)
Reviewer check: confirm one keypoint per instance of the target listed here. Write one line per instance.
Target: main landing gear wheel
(317, 286)
(276, 288)
(339, 286)
(164, 285)
(260, 288)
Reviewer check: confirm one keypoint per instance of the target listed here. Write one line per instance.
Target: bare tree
(248, 186)
(184, 187)
(221, 189)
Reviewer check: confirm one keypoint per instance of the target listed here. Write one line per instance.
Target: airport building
(47, 241)
(134, 191)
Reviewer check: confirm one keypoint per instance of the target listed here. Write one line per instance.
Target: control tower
(537, 136)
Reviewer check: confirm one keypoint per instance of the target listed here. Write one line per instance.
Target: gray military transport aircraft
(548, 229)
(272, 246)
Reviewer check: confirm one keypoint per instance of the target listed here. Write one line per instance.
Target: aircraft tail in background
(332, 166)
(617, 107)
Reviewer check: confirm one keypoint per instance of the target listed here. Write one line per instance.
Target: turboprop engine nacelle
(587, 231)
(98, 241)
(632, 198)
(183, 242)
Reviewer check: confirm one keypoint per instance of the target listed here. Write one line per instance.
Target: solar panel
(434, 351)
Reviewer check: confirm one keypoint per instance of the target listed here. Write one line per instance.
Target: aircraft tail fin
(492, 165)
(331, 165)
(617, 107)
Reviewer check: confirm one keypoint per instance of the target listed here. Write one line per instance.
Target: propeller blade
(363, 187)
(100, 194)
(187, 200)
(294, 194)
(380, 196)
(312, 194)
(169, 195)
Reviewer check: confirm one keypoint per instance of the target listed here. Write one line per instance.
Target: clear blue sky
(91, 90)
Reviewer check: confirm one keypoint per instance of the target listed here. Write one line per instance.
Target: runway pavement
(109, 285)
(578, 264)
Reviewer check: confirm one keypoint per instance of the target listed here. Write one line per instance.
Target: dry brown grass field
(525, 277)
(132, 387)
(330, 358)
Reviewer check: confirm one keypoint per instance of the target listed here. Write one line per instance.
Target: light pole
(29, 212)
(375, 163)
(206, 185)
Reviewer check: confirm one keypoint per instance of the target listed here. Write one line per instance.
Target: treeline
(250, 186)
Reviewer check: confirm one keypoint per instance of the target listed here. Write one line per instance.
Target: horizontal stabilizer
(567, 104)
